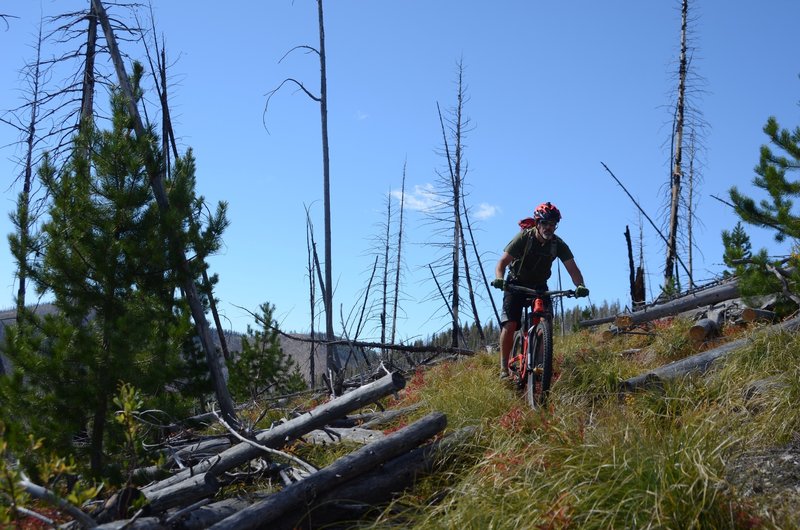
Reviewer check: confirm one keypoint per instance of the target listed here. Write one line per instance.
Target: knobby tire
(538, 384)
(517, 352)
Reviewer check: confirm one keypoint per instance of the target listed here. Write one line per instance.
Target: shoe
(504, 376)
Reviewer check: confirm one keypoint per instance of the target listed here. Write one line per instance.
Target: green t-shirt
(533, 260)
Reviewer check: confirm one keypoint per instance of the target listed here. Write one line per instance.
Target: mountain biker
(531, 254)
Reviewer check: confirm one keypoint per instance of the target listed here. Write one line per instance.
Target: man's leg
(506, 343)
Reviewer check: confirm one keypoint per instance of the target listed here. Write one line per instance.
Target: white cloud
(423, 198)
(485, 211)
(360, 116)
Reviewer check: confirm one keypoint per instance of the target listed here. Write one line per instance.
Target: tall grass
(597, 459)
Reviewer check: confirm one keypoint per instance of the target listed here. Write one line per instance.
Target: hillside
(298, 347)
(714, 450)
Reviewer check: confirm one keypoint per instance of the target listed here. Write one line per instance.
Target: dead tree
(708, 296)
(157, 184)
(677, 169)
(399, 257)
(192, 484)
(23, 220)
(313, 267)
(44, 105)
(709, 326)
(631, 269)
(644, 214)
(698, 363)
(333, 368)
(447, 214)
(467, 274)
(272, 508)
(686, 147)
(159, 71)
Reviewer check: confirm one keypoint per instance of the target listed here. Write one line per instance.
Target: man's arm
(574, 272)
(502, 263)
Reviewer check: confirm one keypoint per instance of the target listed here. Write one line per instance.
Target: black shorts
(513, 302)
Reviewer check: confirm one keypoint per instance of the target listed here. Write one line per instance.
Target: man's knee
(509, 327)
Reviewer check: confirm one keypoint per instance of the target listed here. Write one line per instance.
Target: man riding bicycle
(531, 254)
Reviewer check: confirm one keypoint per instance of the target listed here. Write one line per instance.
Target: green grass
(596, 459)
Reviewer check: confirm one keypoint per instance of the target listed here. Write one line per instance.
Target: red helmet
(547, 212)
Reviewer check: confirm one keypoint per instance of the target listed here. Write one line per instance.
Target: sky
(555, 90)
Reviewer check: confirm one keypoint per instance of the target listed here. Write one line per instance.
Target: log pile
(711, 308)
(697, 363)
(384, 466)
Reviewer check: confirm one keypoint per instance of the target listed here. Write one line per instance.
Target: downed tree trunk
(708, 327)
(596, 321)
(751, 314)
(363, 492)
(271, 509)
(185, 486)
(369, 420)
(336, 435)
(710, 296)
(698, 363)
(357, 496)
(349, 501)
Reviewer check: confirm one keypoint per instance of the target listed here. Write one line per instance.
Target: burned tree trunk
(697, 363)
(709, 296)
(709, 326)
(750, 314)
(677, 162)
(273, 508)
(194, 483)
(355, 497)
(632, 270)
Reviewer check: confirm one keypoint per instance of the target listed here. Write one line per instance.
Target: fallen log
(336, 435)
(274, 507)
(143, 523)
(710, 296)
(751, 314)
(708, 327)
(610, 333)
(185, 486)
(698, 363)
(369, 420)
(354, 498)
(596, 321)
(348, 501)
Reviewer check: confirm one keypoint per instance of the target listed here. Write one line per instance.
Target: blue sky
(555, 88)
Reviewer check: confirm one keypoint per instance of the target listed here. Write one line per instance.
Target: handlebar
(569, 293)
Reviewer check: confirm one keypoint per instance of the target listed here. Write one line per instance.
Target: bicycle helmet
(547, 212)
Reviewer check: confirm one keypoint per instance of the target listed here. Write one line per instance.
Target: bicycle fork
(533, 344)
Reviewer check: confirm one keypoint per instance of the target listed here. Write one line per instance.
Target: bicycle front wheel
(516, 360)
(541, 373)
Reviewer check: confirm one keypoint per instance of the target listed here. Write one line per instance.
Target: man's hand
(499, 283)
(581, 291)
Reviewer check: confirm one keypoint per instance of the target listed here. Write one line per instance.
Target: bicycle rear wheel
(541, 374)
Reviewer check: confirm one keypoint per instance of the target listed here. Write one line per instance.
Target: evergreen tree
(738, 249)
(262, 368)
(772, 176)
(107, 263)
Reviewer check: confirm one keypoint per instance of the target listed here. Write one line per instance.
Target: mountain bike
(531, 361)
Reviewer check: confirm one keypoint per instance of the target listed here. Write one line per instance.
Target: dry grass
(596, 459)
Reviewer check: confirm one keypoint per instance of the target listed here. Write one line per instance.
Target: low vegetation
(711, 451)
(670, 458)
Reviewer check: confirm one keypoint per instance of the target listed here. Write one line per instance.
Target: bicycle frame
(527, 370)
